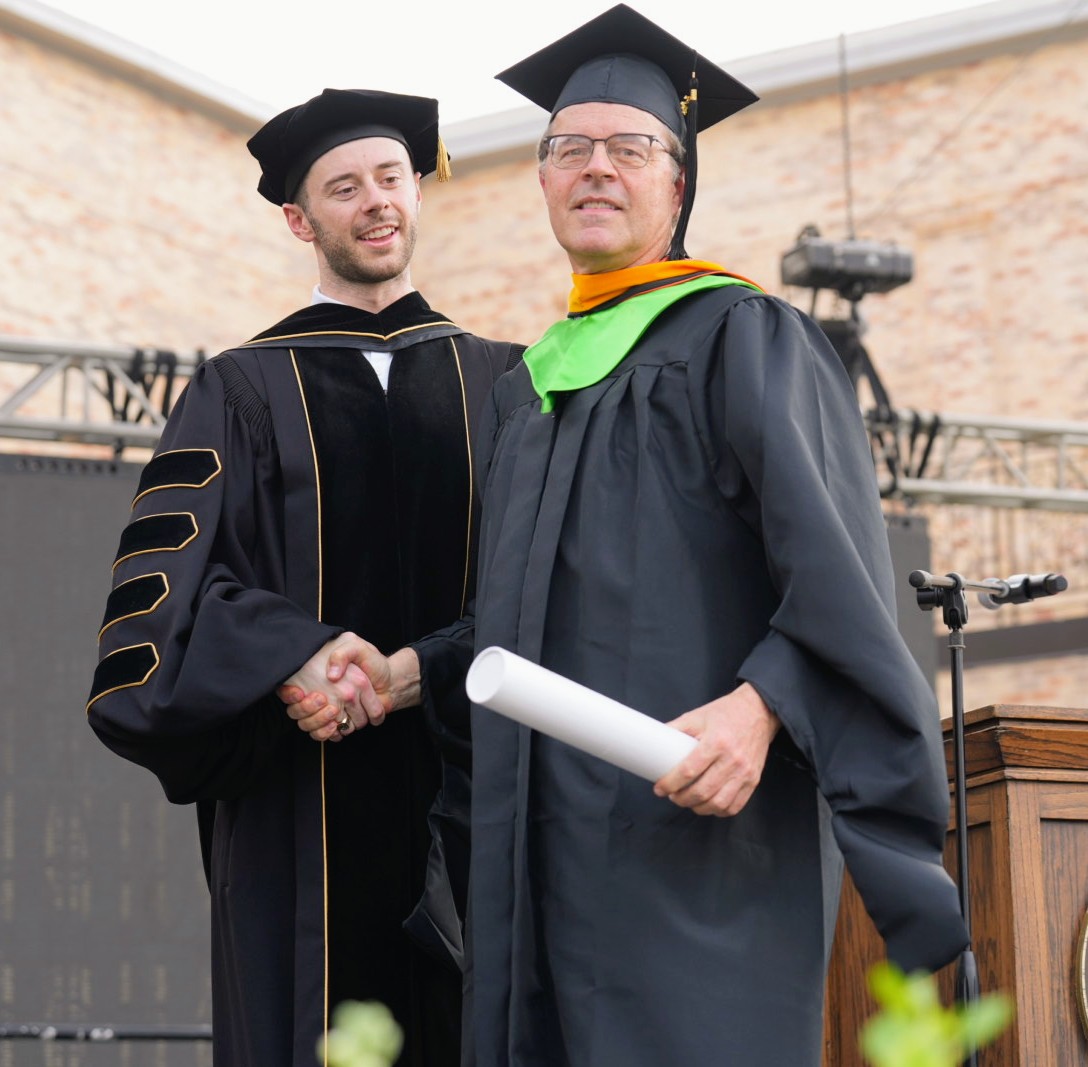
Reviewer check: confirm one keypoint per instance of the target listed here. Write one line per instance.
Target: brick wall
(132, 220)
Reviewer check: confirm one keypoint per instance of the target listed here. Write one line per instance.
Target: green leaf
(985, 1019)
(364, 1034)
(913, 1029)
(900, 993)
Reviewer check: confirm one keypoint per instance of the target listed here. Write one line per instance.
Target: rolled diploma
(570, 712)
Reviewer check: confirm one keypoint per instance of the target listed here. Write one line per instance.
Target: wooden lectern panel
(1027, 814)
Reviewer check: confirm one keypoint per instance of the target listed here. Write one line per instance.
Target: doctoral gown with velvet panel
(706, 514)
(290, 499)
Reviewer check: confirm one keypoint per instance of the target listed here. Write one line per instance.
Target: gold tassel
(442, 164)
(692, 97)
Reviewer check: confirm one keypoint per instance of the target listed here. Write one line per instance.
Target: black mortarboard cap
(621, 57)
(289, 144)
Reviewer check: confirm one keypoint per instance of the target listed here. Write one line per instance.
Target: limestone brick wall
(129, 220)
(1054, 682)
(132, 220)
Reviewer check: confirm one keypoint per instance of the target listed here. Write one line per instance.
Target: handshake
(347, 684)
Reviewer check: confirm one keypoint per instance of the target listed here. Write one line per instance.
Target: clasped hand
(346, 681)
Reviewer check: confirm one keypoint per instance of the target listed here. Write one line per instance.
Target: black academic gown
(705, 515)
(290, 500)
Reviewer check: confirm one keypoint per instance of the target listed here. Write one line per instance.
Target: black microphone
(1025, 587)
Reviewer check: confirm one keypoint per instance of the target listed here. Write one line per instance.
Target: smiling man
(609, 208)
(681, 513)
(359, 207)
(311, 482)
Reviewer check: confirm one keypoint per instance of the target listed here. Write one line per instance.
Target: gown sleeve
(789, 451)
(197, 631)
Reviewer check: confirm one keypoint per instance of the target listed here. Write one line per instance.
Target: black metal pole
(967, 983)
(956, 646)
(949, 592)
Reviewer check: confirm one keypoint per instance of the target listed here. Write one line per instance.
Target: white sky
(281, 52)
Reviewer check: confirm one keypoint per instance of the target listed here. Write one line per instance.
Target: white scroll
(570, 712)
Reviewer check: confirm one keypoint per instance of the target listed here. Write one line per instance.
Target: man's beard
(350, 262)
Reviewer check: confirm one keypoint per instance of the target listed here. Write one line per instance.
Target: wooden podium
(1027, 816)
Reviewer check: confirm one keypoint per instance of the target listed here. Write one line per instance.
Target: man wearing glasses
(680, 496)
(681, 512)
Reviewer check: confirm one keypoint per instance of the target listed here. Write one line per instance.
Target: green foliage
(913, 1029)
(363, 1034)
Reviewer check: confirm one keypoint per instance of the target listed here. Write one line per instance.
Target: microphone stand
(948, 592)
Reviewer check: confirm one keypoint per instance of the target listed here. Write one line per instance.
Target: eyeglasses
(628, 151)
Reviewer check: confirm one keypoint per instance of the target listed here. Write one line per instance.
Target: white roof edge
(781, 74)
(983, 28)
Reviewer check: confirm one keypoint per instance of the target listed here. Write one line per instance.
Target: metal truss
(94, 394)
(988, 462)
